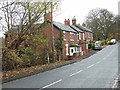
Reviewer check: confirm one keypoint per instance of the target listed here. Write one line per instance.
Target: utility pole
(8, 18)
(53, 44)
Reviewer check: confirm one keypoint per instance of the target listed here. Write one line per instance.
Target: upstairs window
(79, 36)
(89, 35)
(71, 36)
(64, 36)
(83, 36)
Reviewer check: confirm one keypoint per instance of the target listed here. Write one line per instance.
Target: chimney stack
(47, 16)
(67, 22)
(74, 21)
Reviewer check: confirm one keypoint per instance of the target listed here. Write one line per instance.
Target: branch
(7, 5)
(15, 44)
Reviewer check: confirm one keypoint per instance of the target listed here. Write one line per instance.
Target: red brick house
(86, 35)
(70, 37)
(88, 32)
(80, 36)
(75, 37)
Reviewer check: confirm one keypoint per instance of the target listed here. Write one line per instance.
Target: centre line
(76, 73)
(98, 62)
(52, 83)
(90, 66)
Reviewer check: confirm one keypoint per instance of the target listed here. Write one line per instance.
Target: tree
(27, 18)
(99, 21)
(59, 45)
(114, 30)
(25, 15)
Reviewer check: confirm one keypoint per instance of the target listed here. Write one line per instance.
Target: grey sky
(80, 8)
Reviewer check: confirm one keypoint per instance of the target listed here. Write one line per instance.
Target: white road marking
(76, 73)
(90, 65)
(52, 83)
(98, 62)
(108, 54)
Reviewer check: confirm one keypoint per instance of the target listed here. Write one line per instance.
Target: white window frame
(75, 49)
(79, 36)
(64, 36)
(83, 36)
(86, 44)
(71, 53)
(80, 49)
(71, 38)
(67, 49)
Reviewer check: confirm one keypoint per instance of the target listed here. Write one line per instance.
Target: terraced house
(75, 37)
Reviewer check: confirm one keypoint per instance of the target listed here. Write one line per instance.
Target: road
(96, 71)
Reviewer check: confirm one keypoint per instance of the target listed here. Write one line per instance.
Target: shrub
(103, 42)
(34, 56)
(90, 46)
(11, 60)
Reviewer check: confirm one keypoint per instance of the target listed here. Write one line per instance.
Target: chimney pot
(74, 21)
(67, 22)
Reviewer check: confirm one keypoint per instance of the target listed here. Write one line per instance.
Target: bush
(103, 42)
(90, 46)
(11, 60)
(34, 56)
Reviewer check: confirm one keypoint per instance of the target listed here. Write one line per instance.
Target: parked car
(112, 41)
(97, 45)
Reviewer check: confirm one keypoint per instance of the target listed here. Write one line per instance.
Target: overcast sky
(81, 8)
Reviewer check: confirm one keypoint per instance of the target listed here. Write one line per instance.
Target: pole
(53, 46)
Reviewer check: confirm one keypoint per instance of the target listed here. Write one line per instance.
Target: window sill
(67, 54)
(71, 40)
(64, 39)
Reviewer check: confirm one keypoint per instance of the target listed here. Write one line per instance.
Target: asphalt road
(96, 71)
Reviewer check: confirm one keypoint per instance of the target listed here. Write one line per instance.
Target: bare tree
(24, 15)
(99, 20)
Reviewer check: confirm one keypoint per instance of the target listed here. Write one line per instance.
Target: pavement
(116, 83)
(96, 71)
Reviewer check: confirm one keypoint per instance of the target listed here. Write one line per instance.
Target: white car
(112, 41)
(97, 45)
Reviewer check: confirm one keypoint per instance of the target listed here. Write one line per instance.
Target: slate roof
(75, 28)
(83, 28)
(63, 27)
